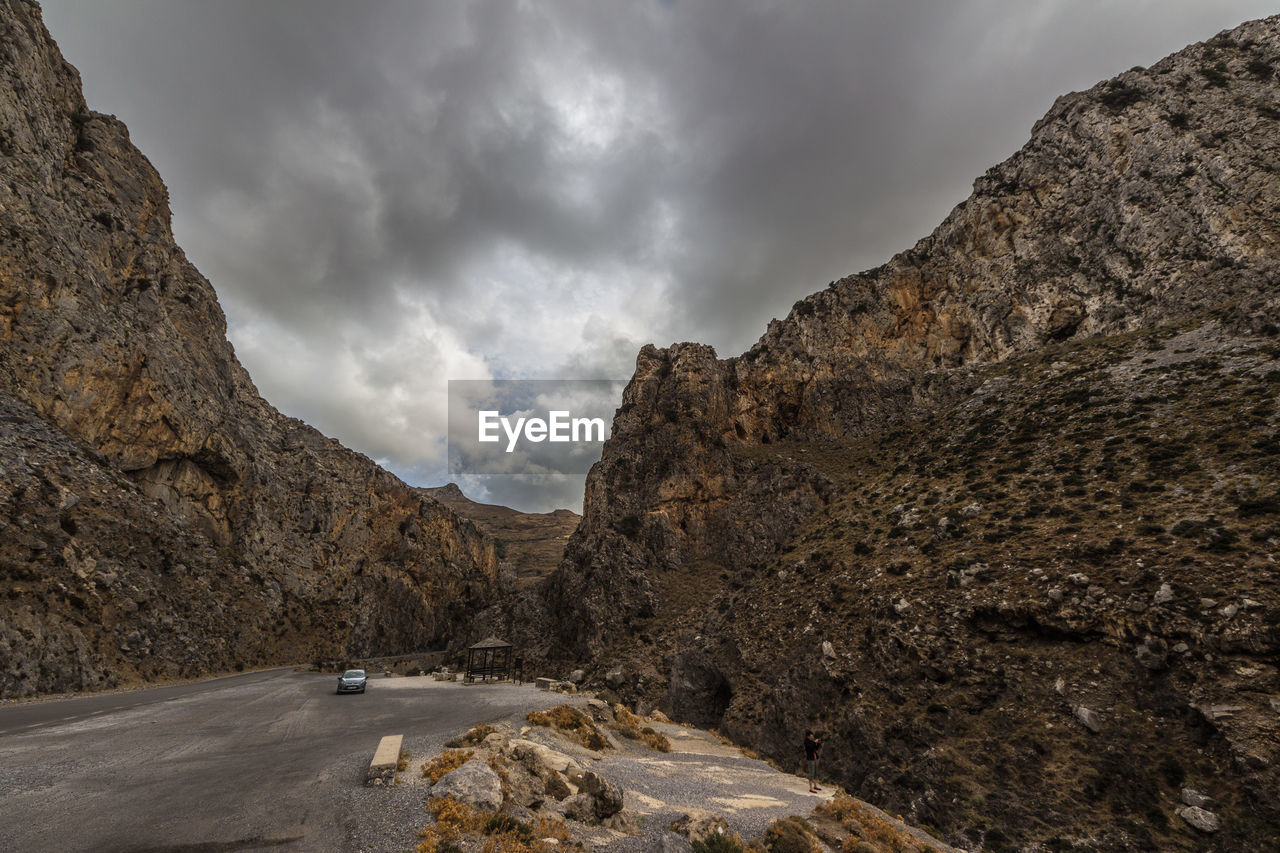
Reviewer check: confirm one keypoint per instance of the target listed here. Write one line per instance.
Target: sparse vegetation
(866, 828)
(791, 835)
(572, 722)
(728, 842)
(1216, 74)
(632, 727)
(434, 769)
(457, 823)
(1126, 463)
(1117, 96)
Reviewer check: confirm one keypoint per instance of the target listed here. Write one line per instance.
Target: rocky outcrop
(161, 518)
(1023, 468)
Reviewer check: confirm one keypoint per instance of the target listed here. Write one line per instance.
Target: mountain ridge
(1141, 210)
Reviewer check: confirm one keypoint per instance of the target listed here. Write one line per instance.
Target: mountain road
(271, 760)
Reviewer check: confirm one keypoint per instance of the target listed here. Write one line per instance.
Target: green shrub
(1117, 96)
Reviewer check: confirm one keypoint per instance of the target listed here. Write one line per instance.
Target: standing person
(812, 745)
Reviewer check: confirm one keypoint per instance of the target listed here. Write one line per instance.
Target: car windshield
(353, 673)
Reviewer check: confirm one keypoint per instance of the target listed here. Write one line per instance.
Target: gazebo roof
(492, 643)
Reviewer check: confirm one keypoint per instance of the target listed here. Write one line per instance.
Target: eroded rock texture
(157, 517)
(934, 511)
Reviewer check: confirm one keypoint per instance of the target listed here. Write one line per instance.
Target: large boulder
(474, 783)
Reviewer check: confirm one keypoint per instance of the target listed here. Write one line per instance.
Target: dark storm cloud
(387, 196)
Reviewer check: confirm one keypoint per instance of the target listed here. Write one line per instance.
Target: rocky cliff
(1000, 516)
(528, 545)
(157, 517)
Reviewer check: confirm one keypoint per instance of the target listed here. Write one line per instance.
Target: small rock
(1078, 578)
(1192, 797)
(615, 678)
(1182, 648)
(1088, 718)
(1206, 603)
(699, 825)
(1199, 818)
(1055, 595)
(1229, 611)
(578, 676)
(1153, 654)
(828, 650)
(1163, 595)
(901, 606)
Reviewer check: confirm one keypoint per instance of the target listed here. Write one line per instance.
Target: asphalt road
(263, 761)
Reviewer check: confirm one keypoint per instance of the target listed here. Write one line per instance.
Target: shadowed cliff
(158, 517)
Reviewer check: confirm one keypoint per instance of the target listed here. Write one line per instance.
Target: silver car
(352, 681)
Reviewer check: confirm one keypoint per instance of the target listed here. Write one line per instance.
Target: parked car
(352, 681)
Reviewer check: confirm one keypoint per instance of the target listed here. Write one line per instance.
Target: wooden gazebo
(489, 659)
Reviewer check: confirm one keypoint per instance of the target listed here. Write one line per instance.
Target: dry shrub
(478, 733)
(453, 820)
(456, 822)
(791, 835)
(545, 827)
(449, 760)
(716, 842)
(623, 717)
(474, 737)
(655, 739)
(402, 763)
(868, 828)
(630, 726)
(577, 725)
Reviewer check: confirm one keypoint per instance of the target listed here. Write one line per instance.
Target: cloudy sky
(390, 195)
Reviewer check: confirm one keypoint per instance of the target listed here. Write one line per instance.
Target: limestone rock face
(1141, 201)
(161, 518)
(1026, 466)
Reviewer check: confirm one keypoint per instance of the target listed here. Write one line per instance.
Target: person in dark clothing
(812, 747)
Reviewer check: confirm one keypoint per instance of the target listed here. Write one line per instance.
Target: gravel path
(701, 772)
